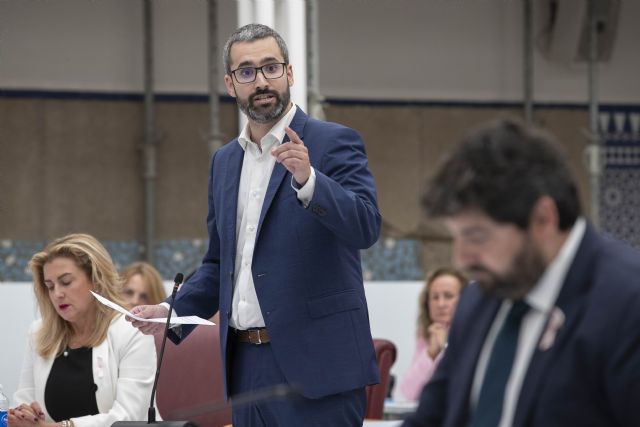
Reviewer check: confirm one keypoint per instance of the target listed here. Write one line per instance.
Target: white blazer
(123, 369)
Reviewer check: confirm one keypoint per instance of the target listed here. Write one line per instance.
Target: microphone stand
(151, 416)
(152, 409)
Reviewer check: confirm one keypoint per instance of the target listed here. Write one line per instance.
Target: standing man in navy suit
(291, 204)
(549, 336)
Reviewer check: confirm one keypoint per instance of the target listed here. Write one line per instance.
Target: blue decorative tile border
(620, 183)
(171, 256)
(389, 259)
(393, 259)
(14, 257)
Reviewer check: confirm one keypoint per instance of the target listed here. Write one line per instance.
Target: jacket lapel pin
(556, 320)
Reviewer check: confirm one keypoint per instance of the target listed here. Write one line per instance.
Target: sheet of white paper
(182, 320)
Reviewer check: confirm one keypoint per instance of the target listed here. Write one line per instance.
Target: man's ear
(228, 82)
(290, 74)
(544, 219)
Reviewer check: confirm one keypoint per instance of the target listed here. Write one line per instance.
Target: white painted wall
(371, 49)
(392, 310)
(17, 310)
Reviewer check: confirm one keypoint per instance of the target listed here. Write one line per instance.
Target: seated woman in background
(438, 301)
(85, 365)
(142, 285)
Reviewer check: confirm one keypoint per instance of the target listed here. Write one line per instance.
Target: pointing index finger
(293, 136)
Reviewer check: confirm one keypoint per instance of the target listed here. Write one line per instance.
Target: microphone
(151, 415)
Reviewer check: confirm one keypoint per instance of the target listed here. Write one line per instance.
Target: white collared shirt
(541, 299)
(257, 166)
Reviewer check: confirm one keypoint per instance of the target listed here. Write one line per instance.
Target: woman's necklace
(75, 343)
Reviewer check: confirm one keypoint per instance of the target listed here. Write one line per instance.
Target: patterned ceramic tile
(389, 259)
(620, 184)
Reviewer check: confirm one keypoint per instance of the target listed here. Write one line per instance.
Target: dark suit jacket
(306, 262)
(591, 374)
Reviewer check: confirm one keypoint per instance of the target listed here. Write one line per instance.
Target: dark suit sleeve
(622, 373)
(199, 296)
(433, 399)
(429, 412)
(344, 199)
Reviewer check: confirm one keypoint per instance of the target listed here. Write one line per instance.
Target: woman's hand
(29, 416)
(26, 415)
(437, 337)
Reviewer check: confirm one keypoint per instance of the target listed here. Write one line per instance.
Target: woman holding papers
(84, 364)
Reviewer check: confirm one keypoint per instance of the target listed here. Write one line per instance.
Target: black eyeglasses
(269, 71)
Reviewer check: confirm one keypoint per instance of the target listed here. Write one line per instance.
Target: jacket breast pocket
(338, 302)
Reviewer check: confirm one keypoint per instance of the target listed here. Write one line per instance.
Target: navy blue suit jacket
(306, 262)
(591, 374)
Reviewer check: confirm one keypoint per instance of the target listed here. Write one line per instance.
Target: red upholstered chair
(376, 394)
(191, 376)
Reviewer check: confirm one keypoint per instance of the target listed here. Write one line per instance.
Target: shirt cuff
(177, 328)
(305, 193)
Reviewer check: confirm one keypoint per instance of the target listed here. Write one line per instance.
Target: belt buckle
(257, 331)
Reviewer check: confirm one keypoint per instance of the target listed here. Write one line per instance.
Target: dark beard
(265, 114)
(527, 268)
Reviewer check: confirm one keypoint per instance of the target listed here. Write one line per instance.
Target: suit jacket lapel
(232, 167)
(279, 171)
(571, 302)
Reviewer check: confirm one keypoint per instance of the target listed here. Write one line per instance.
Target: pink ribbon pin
(556, 320)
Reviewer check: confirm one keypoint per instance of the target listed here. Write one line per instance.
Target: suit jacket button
(317, 209)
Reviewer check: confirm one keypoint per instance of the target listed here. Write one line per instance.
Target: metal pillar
(215, 137)
(291, 24)
(149, 136)
(594, 148)
(245, 12)
(265, 12)
(528, 61)
(314, 98)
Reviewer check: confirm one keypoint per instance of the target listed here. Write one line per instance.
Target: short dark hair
(502, 169)
(249, 33)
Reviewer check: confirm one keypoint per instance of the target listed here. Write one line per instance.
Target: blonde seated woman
(142, 285)
(84, 364)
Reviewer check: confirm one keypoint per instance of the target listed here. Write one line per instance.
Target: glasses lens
(245, 75)
(272, 71)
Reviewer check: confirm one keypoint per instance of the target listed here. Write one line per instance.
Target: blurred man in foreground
(549, 335)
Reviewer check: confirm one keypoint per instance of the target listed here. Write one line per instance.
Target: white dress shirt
(541, 299)
(257, 166)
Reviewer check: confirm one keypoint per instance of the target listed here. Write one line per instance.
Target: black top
(70, 391)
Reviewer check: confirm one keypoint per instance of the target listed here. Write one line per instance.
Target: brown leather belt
(252, 336)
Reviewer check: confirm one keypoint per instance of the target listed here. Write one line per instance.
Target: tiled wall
(620, 184)
(389, 259)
